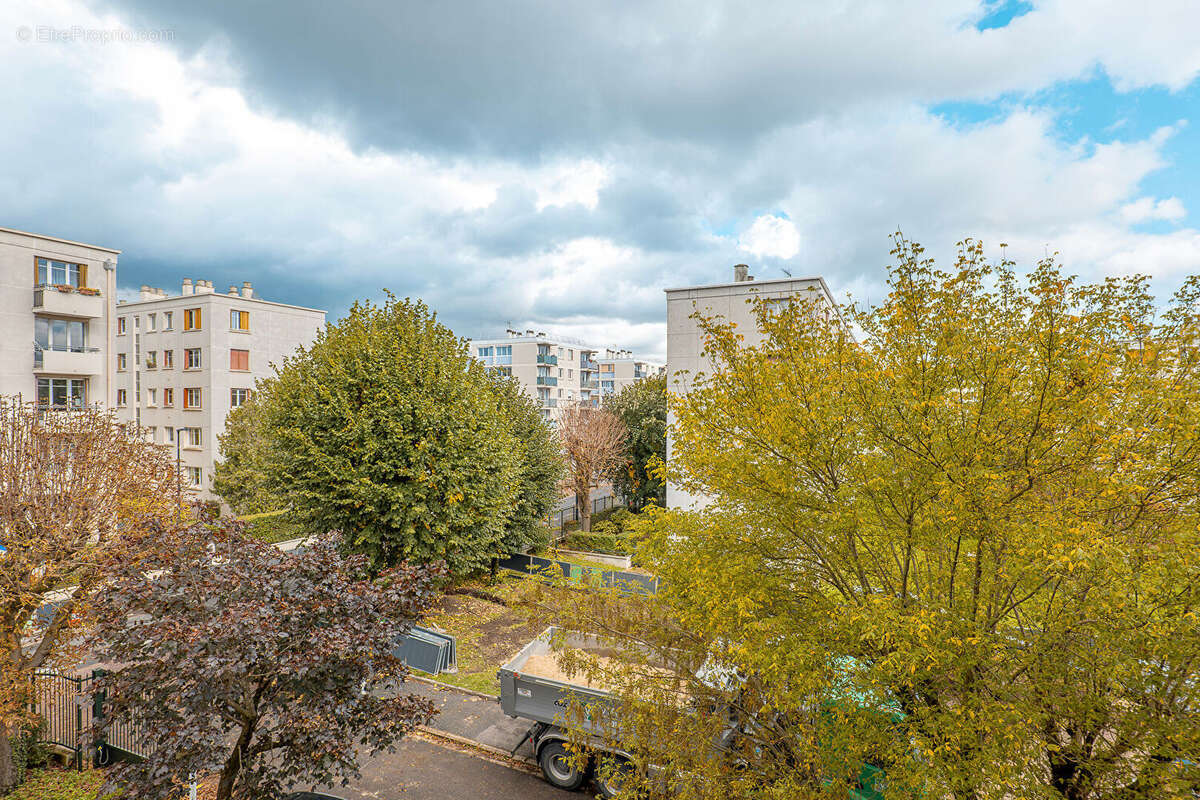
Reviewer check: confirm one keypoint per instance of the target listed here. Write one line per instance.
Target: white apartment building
(183, 362)
(56, 319)
(557, 371)
(686, 360)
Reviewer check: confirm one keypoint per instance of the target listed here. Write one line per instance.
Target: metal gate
(69, 706)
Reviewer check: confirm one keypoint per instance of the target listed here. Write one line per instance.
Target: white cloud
(771, 237)
(1146, 209)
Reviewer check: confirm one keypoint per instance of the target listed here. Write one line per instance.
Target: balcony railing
(547, 359)
(546, 381)
(588, 364)
(589, 384)
(71, 301)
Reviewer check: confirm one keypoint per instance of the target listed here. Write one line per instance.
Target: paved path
(420, 770)
(476, 718)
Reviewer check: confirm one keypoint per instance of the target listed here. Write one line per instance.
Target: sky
(555, 165)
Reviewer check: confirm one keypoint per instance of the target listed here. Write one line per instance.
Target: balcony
(69, 303)
(65, 362)
(547, 359)
(546, 381)
(589, 384)
(588, 364)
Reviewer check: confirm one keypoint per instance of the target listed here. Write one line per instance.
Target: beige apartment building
(558, 372)
(183, 362)
(686, 361)
(56, 319)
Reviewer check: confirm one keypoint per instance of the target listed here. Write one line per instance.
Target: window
(122, 361)
(120, 397)
(137, 323)
(152, 397)
(151, 359)
(152, 434)
(120, 325)
(168, 398)
(167, 320)
(191, 319)
(60, 273)
(151, 322)
(238, 396)
(505, 371)
(169, 432)
(62, 392)
(191, 358)
(194, 436)
(168, 359)
(194, 476)
(239, 360)
(65, 335)
(191, 399)
(504, 354)
(239, 320)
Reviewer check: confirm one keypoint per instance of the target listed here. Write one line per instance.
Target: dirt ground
(487, 634)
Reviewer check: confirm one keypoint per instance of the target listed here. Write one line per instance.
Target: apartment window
(608, 367)
(168, 359)
(239, 360)
(151, 322)
(60, 273)
(191, 358)
(505, 371)
(137, 323)
(120, 397)
(194, 436)
(62, 392)
(167, 315)
(239, 320)
(120, 325)
(194, 476)
(152, 434)
(570, 373)
(152, 397)
(191, 399)
(64, 335)
(560, 372)
(238, 396)
(169, 433)
(168, 398)
(122, 362)
(191, 319)
(504, 354)
(151, 359)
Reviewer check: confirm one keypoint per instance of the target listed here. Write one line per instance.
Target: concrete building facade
(558, 372)
(687, 362)
(183, 362)
(56, 319)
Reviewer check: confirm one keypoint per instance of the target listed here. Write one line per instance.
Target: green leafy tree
(387, 430)
(642, 408)
(241, 476)
(962, 546)
(540, 465)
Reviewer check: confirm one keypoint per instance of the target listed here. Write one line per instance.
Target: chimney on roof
(146, 293)
(741, 273)
(187, 286)
(529, 331)
(247, 289)
(233, 290)
(204, 287)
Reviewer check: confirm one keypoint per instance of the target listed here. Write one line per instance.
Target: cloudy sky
(557, 164)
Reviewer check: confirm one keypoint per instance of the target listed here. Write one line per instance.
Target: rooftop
(59, 240)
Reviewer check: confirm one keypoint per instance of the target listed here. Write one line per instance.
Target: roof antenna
(785, 272)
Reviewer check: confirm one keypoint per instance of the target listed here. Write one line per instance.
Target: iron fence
(70, 706)
(557, 519)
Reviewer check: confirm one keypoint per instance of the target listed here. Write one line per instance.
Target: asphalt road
(421, 770)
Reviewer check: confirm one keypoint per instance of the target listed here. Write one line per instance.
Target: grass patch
(61, 784)
(486, 634)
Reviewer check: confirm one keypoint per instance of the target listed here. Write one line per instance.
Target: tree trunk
(583, 500)
(8, 767)
(233, 766)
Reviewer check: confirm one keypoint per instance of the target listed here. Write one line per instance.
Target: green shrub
(275, 526)
(62, 784)
(616, 544)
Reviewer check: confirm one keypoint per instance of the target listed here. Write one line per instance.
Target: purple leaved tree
(267, 669)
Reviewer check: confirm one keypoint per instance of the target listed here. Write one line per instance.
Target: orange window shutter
(83, 275)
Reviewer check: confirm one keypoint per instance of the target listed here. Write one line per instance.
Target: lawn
(60, 784)
(487, 634)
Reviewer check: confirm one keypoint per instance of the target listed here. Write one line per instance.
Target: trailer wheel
(612, 775)
(558, 769)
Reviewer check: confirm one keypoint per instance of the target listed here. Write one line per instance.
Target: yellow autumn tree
(952, 549)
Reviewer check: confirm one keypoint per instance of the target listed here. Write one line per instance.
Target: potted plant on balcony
(90, 291)
(64, 287)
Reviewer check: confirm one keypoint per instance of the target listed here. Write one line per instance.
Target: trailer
(546, 702)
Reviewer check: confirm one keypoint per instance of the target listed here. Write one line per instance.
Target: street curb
(451, 687)
(504, 755)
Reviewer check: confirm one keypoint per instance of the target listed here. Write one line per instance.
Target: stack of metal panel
(427, 650)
